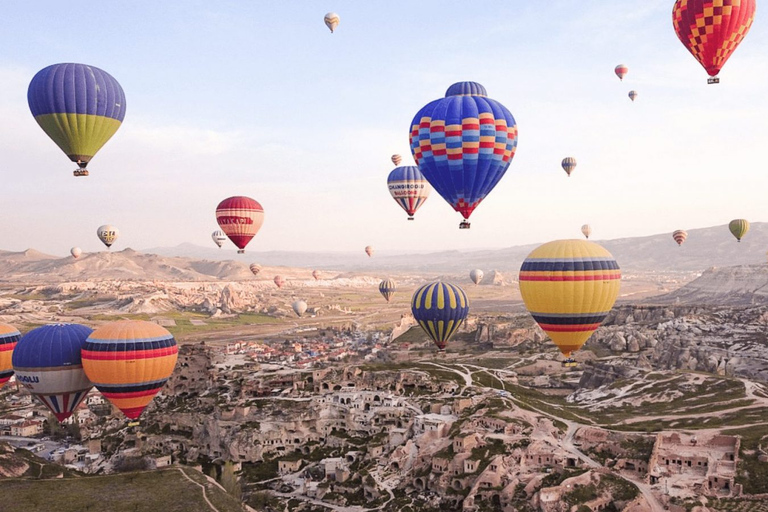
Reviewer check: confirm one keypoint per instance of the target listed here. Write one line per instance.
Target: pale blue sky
(260, 99)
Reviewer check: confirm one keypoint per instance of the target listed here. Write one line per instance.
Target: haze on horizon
(260, 99)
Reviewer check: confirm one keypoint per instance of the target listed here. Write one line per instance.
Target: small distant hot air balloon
(279, 281)
(47, 362)
(387, 288)
(9, 337)
(712, 31)
(218, 238)
(463, 144)
(396, 159)
(331, 21)
(409, 188)
(369, 250)
(129, 361)
(316, 274)
(569, 287)
(476, 275)
(679, 236)
(75, 252)
(240, 218)
(569, 164)
(586, 230)
(739, 228)
(107, 234)
(632, 95)
(299, 307)
(621, 71)
(79, 107)
(440, 308)
(255, 268)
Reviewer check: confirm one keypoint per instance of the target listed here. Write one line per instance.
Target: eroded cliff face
(741, 285)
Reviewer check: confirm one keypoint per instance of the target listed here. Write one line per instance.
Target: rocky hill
(735, 286)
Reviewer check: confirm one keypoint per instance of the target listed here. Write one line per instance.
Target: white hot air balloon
(107, 234)
(586, 230)
(476, 276)
(219, 238)
(332, 21)
(299, 307)
(75, 252)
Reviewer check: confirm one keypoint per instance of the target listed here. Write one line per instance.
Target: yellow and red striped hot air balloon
(9, 337)
(712, 29)
(569, 286)
(679, 236)
(129, 362)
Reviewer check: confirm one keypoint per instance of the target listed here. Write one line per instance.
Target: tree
(230, 481)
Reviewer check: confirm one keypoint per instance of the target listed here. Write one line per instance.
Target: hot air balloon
(129, 362)
(9, 337)
(299, 307)
(331, 21)
(255, 268)
(79, 107)
(679, 236)
(369, 250)
(621, 71)
(316, 274)
(75, 252)
(107, 234)
(396, 159)
(632, 95)
(586, 230)
(569, 164)
(712, 30)
(739, 228)
(240, 218)
(440, 308)
(409, 188)
(388, 288)
(47, 362)
(569, 286)
(463, 145)
(476, 275)
(279, 281)
(218, 238)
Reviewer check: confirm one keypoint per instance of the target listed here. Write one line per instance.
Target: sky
(258, 98)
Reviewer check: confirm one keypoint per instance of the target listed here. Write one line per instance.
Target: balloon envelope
(463, 144)
(396, 159)
(331, 21)
(586, 230)
(738, 228)
(408, 188)
(316, 274)
(569, 164)
(711, 36)
(621, 71)
(75, 252)
(9, 337)
(47, 362)
(476, 275)
(632, 95)
(569, 286)
(369, 250)
(240, 218)
(679, 236)
(79, 107)
(299, 307)
(218, 238)
(107, 234)
(440, 308)
(255, 268)
(279, 281)
(387, 288)
(129, 362)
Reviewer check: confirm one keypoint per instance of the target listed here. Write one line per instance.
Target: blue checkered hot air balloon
(440, 308)
(463, 145)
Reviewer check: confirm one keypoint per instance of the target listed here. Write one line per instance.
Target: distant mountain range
(705, 248)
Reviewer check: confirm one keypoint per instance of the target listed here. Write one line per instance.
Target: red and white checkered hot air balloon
(240, 218)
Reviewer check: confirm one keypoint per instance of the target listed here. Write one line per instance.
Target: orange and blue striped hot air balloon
(569, 286)
(440, 308)
(129, 361)
(387, 288)
(79, 107)
(712, 29)
(9, 337)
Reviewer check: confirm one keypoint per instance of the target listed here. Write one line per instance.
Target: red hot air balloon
(712, 29)
(279, 281)
(240, 218)
(621, 71)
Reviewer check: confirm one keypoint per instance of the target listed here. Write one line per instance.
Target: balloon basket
(134, 423)
(464, 225)
(713, 80)
(241, 251)
(570, 363)
(410, 218)
(80, 172)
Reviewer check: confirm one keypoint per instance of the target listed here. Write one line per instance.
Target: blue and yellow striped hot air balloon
(80, 107)
(440, 308)
(47, 362)
(463, 145)
(387, 288)
(129, 361)
(569, 286)
(9, 337)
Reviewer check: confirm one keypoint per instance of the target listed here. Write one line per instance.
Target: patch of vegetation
(750, 472)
